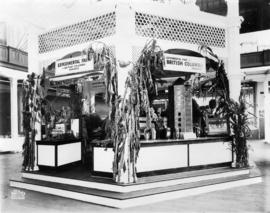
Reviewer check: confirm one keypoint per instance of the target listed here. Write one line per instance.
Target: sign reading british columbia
(73, 65)
(182, 63)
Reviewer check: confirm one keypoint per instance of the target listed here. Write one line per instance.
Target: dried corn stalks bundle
(126, 129)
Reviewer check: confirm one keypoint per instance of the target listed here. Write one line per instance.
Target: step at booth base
(136, 195)
(143, 183)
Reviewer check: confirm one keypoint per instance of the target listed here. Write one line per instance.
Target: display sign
(182, 63)
(97, 86)
(73, 65)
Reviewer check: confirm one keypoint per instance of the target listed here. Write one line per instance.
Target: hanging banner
(73, 65)
(183, 63)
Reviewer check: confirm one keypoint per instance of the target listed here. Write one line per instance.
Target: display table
(166, 156)
(58, 153)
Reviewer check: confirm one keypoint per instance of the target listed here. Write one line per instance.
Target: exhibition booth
(107, 119)
(75, 115)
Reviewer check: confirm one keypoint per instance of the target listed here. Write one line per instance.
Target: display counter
(58, 153)
(166, 156)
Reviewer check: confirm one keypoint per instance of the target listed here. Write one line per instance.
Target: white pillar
(234, 51)
(233, 45)
(33, 59)
(14, 108)
(266, 110)
(33, 67)
(125, 31)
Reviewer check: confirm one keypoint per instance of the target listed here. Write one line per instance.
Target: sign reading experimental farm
(73, 65)
(182, 63)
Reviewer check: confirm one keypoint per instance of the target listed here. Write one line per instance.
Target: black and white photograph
(134, 106)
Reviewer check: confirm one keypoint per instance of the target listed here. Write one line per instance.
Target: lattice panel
(89, 30)
(176, 30)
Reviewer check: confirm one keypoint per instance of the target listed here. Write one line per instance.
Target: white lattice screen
(176, 30)
(85, 31)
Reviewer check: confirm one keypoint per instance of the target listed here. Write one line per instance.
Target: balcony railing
(13, 56)
(255, 59)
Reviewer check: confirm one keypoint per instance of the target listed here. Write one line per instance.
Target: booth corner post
(139, 83)
(238, 119)
(33, 95)
(234, 111)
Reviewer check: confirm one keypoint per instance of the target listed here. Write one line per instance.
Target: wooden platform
(78, 184)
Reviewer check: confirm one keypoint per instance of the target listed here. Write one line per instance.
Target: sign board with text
(183, 63)
(73, 65)
(97, 86)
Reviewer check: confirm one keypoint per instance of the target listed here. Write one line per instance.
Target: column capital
(236, 76)
(235, 21)
(13, 79)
